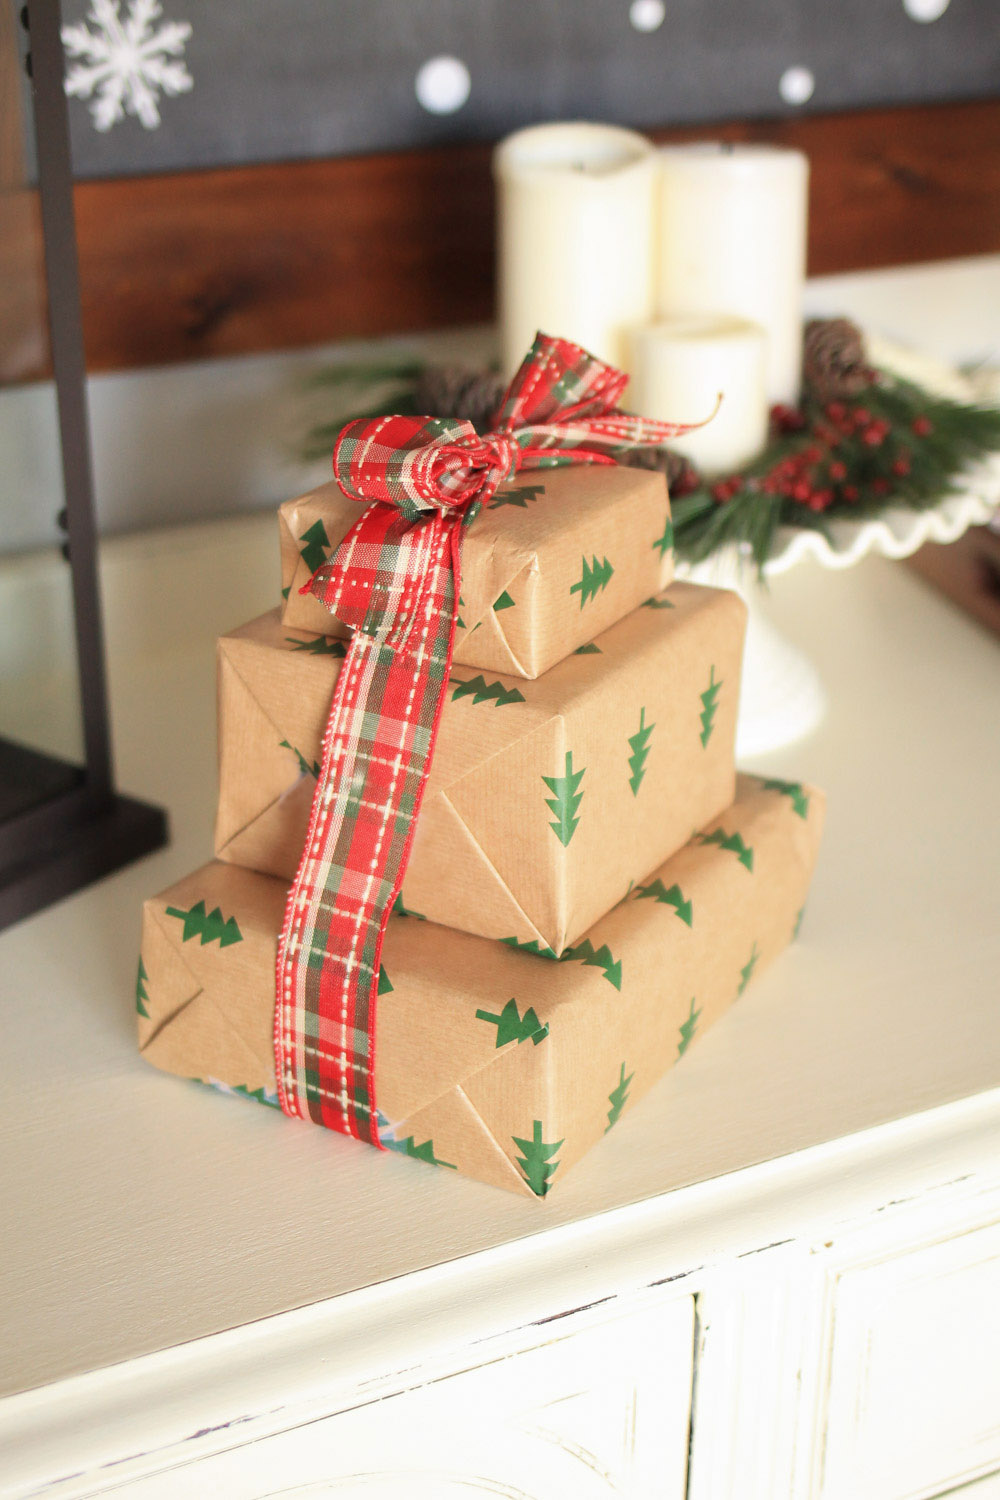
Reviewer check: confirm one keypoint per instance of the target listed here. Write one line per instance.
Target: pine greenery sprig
(888, 443)
(892, 443)
(398, 381)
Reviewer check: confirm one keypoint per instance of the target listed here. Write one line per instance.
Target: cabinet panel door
(594, 1414)
(914, 1395)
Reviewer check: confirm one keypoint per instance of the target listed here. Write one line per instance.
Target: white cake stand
(782, 698)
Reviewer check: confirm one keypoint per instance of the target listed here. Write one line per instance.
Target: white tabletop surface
(140, 1211)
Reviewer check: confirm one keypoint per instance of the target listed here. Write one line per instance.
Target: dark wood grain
(205, 264)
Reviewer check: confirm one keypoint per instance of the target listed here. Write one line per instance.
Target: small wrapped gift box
(546, 798)
(556, 557)
(500, 1064)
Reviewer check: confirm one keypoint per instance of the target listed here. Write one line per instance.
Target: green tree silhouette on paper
(596, 958)
(536, 1161)
(618, 1098)
(482, 691)
(792, 789)
(709, 704)
(513, 1027)
(519, 495)
(210, 926)
(565, 799)
(746, 973)
(306, 768)
(672, 896)
(317, 546)
(664, 542)
(731, 841)
(595, 576)
(687, 1030)
(320, 645)
(639, 745)
(141, 993)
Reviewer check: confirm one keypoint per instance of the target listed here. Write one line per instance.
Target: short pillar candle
(681, 365)
(576, 215)
(733, 240)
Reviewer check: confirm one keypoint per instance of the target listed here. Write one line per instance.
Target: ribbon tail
(379, 742)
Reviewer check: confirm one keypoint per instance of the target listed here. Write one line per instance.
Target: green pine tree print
(687, 1029)
(399, 910)
(798, 922)
(210, 927)
(519, 496)
(731, 841)
(639, 745)
(408, 1147)
(306, 768)
(385, 986)
(531, 946)
(595, 577)
(504, 602)
(320, 645)
(317, 546)
(513, 1027)
(709, 704)
(141, 993)
(658, 602)
(746, 973)
(674, 896)
(285, 592)
(664, 543)
(482, 691)
(590, 649)
(596, 958)
(618, 1098)
(565, 799)
(792, 789)
(536, 1161)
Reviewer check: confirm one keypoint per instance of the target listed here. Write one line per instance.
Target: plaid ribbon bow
(395, 579)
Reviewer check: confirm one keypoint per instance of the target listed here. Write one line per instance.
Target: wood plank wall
(199, 264)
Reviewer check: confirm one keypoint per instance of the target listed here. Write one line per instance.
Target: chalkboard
(158, 85)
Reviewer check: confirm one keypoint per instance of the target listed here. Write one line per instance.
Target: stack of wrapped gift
(590, 884)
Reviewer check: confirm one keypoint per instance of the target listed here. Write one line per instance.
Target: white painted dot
(925, 10)
(647, 15)
(442, 85)
(796, 85)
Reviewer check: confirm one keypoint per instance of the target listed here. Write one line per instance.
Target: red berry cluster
(816, 476)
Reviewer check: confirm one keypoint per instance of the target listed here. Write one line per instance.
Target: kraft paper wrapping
(546, 800)
(556, 557)
(499, 1064)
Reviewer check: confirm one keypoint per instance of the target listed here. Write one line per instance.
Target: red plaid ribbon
(395, 579)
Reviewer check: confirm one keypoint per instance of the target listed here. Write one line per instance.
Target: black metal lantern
(62, 823)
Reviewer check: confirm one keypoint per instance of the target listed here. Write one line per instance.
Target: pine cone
(682, 476)
(833, 359)
(451, 391)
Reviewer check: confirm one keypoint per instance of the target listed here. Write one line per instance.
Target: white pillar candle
(576, 214)
(733, 240)
(680, 366)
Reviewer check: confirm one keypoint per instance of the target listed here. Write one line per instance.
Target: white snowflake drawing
(124, 64)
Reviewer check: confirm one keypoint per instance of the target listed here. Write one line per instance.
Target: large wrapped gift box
(556, 557)
(501, 1064)
(546, 799)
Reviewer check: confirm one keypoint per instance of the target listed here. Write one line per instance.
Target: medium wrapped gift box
(501, 1064)
(556, 557)
(546, 799)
